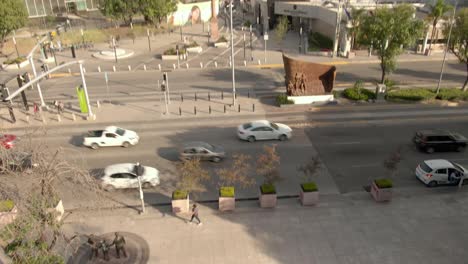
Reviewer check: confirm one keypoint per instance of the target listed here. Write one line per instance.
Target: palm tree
(437, 11)
(356, 19)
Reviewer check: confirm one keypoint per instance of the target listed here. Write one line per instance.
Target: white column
(90, 111)
(31, 61)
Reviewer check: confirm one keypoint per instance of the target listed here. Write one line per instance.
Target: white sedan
(440, 172)
(263, 130)
(120, 176)
(111, 136)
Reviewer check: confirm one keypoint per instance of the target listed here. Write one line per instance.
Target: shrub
(309, 187)
(226, 192)
(179, 195)
(383, 183)
(268, 189)
(452, 94)
(417, 94)
(389, 83)
(173, 51)
(222, 39)
(318, 41)
(358, 94)
(192, 45)
(337, 94)
(247, 23)
(6, 205)
(14, 61)
(283, 99)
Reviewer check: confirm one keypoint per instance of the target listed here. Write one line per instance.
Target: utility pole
(149, 40)
(90, 111)
(251, 51)
(139, 172)
(265, 38)
(337, 30)
(166, 82)
(446, 47)
(115, 49)
(244, 46)
(232, 58)
(178, 59)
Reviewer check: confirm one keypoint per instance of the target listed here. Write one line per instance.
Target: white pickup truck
(110, 136)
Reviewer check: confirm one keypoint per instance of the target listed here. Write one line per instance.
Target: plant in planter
(309, 192)
(191, 182)
(268, 166)
(17, 60)
(234, 176)
(381, 189)
(193, 44)
(222, 39)
(8, 212)
(173, 51)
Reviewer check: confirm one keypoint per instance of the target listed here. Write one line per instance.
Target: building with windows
(41, 8)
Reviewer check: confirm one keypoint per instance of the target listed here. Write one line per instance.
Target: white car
(110, 136)
(440, 172)
(263, 130)
(120, 176)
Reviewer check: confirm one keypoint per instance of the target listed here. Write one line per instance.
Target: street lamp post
(115, 49)
(251, 51)
(446, 48)
(232, 58)
(16, 47)
(178, 59)
(244, 46)
(139, 172)
(265, 38)
(300, 40)
(149, 40)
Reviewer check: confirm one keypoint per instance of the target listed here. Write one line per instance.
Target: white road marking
(366, 165)
(346, 143)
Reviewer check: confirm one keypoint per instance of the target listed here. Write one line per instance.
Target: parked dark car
(439, 140)
(202, 151)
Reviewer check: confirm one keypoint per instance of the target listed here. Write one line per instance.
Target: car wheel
(94, 146)
(126, 144)
(283, 137)
(216, 159)
(430, 150)
(251, 139)
(432, 184)
(146, 185)
(460, 148)
(109, 188)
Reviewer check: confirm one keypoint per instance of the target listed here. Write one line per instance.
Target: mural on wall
(306, 78)
(192, 13)
(195, 15)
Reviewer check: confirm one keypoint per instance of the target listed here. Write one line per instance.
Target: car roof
(111, 128)
(125, 168)
(439, 163)
(434, 132)
(258, 123)
(196, 144)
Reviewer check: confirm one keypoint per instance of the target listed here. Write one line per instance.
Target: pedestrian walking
(93, 243)
(36, 109)
(119, 242)
(195, 214)
(105, 249)
(60, 107)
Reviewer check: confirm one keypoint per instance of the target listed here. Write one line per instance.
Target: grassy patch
(14, 61)
(6, 205)
(309, 187)
(283, 99)
(414, 94)
(384, 183)
(452, 94)
(226, 192)
(179, 195)
(357, 94)
(268, 189)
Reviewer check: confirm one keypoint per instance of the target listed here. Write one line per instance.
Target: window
(120, 131)
(441, 171)
(110, 135)
(190, 151)
(247, 126)
(444, 138)
(275, 126)
(204, 151)
(258, 129)
(425, 167)
(269, 129)
(117, 176)
(128, 176)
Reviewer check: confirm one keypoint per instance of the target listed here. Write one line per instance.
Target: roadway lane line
(347, 143)
(366, 165)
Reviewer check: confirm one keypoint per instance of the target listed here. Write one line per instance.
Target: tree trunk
(382, 67)
(434, 24)
(464, 88)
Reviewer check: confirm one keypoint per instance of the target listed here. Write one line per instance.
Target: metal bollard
(59, 119)
(245, 63)
(195, 110)
(73, 116)
(235, 95)
(27, 118)
(159, 66)
(173, 65)
(259, 62)
(98, 104)
(224, 108)
(69, 71)
(186, 64)
(129, 68)
(222, 95)
(180, 111)
(181, 97)
(113, 68)
(238, 108)
(230, 64)
(216, 64)
(209, 97)
(195, 96)
(209, 109)
(144, 67)
(253, 107)
(99, 68)
(201, 64)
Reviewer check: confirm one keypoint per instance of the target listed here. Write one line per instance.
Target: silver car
(263, 130)
(202, 151)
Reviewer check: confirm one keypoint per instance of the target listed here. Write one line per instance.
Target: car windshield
(120, 131)
(460, 168)
(425, 167)
(275, 126)
(247, 126)
(208, 146)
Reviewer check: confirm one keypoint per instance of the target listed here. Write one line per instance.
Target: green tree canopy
(13, 15)
(437, 12)
(281, 28)
(357, 15)
(459, 39)
(156, 10)
(121, 9)
(388, 31)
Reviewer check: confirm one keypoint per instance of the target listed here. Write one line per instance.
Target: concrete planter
(195, 49)
(381, 194)
(309, 198)
(58, 211)
(8, 217)
(181, 206)
(169, 57)
(227, 203)
(221, 45)
(15, 66)
(267, 200)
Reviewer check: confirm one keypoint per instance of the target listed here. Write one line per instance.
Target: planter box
(169, 57)
(58, 210)
(221, 45)
(195, 49)
(15, 66)
(8, 217)
(227, 203)
(181, 206)
(381, 194)
(267, 200)
(309, 198)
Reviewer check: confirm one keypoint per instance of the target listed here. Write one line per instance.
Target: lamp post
(149, 40)
(16, 46)
(300, 40)
(83, 80)
(139, 172)
(265, 38)
(115, 50)
(178, 59)
(251, 51)
(82, 35)
(232, 58)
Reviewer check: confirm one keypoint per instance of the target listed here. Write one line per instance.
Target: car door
(116, 180)
(270, 133)
(445, 143)
(441, 175)
(453, 143)
(110, 139)
(258, 133)
(204, 154)
(132, 180)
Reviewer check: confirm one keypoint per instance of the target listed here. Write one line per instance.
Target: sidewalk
(341, 229)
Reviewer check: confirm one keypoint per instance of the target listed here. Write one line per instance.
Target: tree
(268, 165)
(392, 161)
(311, 168)
(357, 15)
(281, 28)
(13, 16)
(437, 11)
(192, 176)
(121, 9)
(459, 39)
(390, 30)
(156, 10)
(237, 174)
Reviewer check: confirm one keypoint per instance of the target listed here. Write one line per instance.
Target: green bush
(309, 187)
(179, 195)
(226, 192)
(318, 41)
(389, 83)
(6, 205)
(452, 94)
(384, 183)
(416, 94)
(14, 61)
(268, 189)
(192, 45)
(173, 51)
(337, 94)
(247, 23)
(222, 39)
(358, 94)
(283, 99)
